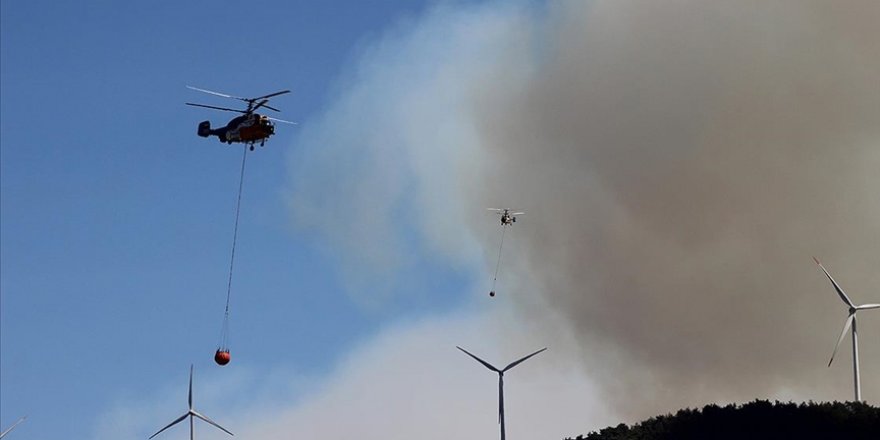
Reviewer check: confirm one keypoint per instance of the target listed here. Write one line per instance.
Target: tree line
(760, 419)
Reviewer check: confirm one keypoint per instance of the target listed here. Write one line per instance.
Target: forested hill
(760, 419)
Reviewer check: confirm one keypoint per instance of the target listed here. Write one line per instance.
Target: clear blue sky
(117, 218)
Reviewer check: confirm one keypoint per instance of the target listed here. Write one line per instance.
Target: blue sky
(117, 219)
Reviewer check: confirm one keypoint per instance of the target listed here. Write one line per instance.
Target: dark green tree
(757, 420)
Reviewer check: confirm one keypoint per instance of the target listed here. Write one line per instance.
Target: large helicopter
(507, 217)
(250, 127)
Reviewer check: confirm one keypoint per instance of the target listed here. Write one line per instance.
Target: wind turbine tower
(850, 322)
(191, 413)
(500, 381)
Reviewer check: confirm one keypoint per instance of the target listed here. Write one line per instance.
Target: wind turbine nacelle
(513, 219)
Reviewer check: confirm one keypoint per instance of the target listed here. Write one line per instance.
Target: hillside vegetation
(760, 419)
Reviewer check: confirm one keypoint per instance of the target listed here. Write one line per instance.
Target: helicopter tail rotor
(205, 129)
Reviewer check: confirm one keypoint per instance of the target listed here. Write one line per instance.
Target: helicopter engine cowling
(204, 128)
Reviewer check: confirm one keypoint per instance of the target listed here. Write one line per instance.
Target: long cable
(225, 330)
(498, 264)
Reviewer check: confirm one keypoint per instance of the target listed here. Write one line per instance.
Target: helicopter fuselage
(247, 129)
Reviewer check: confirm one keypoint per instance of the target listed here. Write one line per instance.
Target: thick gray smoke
(679, 162)
(683, 161)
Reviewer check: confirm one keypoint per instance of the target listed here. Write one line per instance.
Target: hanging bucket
(222, 357)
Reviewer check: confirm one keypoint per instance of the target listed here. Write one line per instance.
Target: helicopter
(249, 128)
(507, 217)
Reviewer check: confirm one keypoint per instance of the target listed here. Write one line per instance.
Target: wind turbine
(3, 434)
(191, 413)
(500, 381)
(850, 321)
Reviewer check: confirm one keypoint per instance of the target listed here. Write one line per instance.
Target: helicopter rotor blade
(263, 104)
(271, 95)
(250, 101)
(216, 108)
(253, 103)
(282, 120)
(211, 92)
(259, 104)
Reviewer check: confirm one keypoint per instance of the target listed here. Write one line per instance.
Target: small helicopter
(507, 217)
(248, 128)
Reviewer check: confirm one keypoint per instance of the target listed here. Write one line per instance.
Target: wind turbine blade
(868, 306)
(515, 363)
(842, 334)
(494, 209)
(171, 424)
(2, 434)
(486, 364)
(211, 422)
(190, 387)
(834, 283)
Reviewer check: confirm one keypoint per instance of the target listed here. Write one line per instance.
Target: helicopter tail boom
(205, 130)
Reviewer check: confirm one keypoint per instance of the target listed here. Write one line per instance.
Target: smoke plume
(679, 163)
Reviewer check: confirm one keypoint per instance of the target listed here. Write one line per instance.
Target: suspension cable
(498, 264)
(234, 239)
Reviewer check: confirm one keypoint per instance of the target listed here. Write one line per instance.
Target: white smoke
(679, 164)
(407, 382)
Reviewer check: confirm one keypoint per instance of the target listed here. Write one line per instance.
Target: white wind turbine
(191, 413)
(850, 321)
(500, 381)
